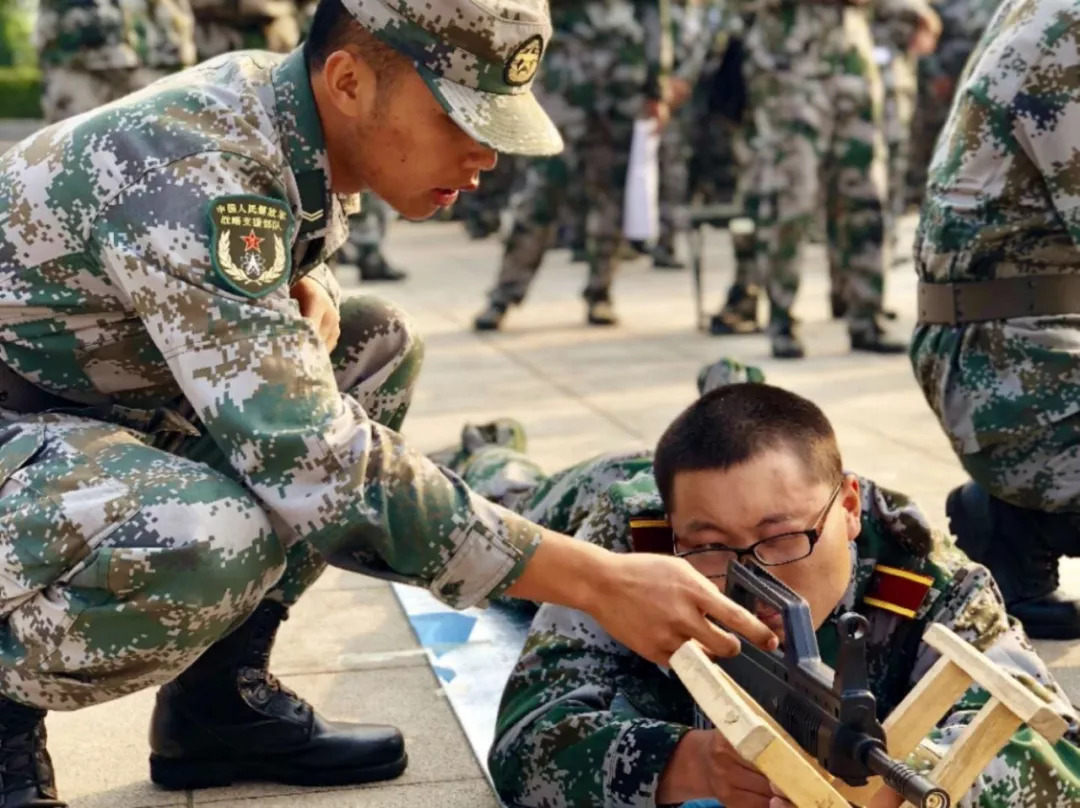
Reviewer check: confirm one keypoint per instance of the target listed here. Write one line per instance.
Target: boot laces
(255, 674)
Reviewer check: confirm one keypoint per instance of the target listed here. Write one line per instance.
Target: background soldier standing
(223, 27)
(815, 103)
(997, 348)
(95, 52)
(602, 73)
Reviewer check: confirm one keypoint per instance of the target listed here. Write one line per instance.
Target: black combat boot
(872, 337)
(786, 342)
(1022, 548)
(601, 312)
(373, 266)
(664, 257)
(491, 318)
(739, 314)
(26, 772)
(226, 718)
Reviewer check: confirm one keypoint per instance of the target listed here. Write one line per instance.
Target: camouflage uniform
(176, 441)
(598, 73)
(584, 722)
(223, 27)
(892, 37)
(1001, 203)
(815, 108)
(95, 52)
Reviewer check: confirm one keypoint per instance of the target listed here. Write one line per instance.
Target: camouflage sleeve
(262, 383)
(325, 277)
(1039, 104)
(565, 735)
(1029, 770)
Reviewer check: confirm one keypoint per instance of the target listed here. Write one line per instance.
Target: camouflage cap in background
(479, 57)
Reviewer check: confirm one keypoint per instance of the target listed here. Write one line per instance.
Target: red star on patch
(251, 241)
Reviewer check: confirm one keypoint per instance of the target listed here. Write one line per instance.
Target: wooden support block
(922, 708)
(1028, 707)
(752, 732)
(971, 752)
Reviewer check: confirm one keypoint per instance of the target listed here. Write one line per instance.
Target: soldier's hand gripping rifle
(830, 714)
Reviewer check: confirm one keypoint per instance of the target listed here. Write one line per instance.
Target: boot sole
(182, 775)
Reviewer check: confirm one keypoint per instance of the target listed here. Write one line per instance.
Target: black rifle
(830, 714)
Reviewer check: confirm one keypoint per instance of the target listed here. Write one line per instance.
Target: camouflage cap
(479, 57)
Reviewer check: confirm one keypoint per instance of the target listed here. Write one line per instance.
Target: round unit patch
(525, 61)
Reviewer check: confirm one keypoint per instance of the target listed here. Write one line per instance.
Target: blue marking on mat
(442, 631)
(472, 654)
(446, 674)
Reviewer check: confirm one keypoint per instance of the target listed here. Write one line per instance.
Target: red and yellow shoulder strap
(900, 591)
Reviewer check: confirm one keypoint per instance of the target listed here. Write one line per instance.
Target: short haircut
(333, 28)
(736, 423)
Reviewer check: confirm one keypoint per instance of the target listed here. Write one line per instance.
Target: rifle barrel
(905, 781)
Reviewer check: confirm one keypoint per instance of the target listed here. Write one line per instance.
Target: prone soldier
(749, 469)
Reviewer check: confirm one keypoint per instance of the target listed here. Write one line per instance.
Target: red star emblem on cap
(251, 241)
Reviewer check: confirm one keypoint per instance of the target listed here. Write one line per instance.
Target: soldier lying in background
(757, 469)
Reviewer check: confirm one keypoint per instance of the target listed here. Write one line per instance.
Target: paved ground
(580, 391)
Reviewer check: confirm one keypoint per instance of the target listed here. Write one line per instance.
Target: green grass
(20, 92)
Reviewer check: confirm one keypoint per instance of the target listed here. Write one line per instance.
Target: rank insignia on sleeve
(251, 242)
(896, 590)
(650, 535)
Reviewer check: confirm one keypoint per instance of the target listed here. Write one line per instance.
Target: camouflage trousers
(901, 89)
(899, 85)
(559, 502)
(214, 37)
(675, 154)
(599, 162)
(1004, 394)
(67, 91)
(814, 134)
(120, 563)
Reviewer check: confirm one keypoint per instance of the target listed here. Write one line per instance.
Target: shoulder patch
(900, 591)
(251, 243)
(650, 535)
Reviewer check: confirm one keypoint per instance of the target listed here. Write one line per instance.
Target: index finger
(722, 609)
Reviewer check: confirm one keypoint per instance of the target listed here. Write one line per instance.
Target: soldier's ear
(850, 497)
(349, 83)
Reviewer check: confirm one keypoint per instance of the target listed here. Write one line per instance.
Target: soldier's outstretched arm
(1029, 770)
(261, 381)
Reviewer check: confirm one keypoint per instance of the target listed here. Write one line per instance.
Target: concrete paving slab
(409, 698)
(346, 630)
(472, 793)
(101, 755)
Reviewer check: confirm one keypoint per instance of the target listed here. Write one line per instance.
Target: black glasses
(771, 552)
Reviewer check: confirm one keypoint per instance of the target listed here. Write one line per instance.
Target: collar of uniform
(305, 147)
